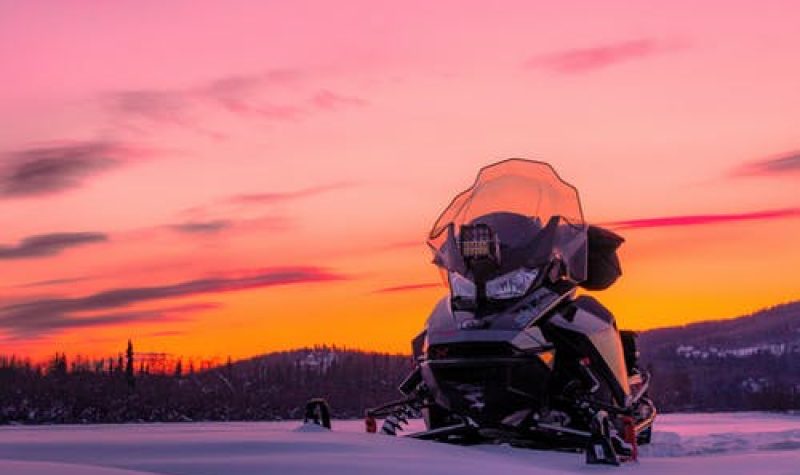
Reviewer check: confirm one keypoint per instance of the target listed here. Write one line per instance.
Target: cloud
(782, 164)
(243, 84)
(329, 100)
(282, 196)
(44, 245)
(55, 167)
(243, 95)
(155, 105)
(703, 219)
(52, 314)
(581, 60)
(407, 288)
(198, 216)
(202, 227)
(50, 282)
(39, 325)
(178, 107)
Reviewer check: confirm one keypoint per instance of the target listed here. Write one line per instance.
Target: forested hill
(750, 362)
(773, 330)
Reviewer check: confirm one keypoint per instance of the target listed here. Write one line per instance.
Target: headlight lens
(461, 287)
(511, 285)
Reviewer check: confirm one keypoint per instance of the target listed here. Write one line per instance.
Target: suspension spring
(398, 417)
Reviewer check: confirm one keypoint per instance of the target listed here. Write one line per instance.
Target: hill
(750, 362)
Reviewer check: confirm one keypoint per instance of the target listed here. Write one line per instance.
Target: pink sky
(208, 151)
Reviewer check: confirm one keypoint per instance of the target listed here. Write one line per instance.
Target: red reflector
(371, 424)
(586, 361)
(630, 436)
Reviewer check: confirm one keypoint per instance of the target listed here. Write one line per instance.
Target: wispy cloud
(44, 245)
(219, 215)
(581, 60)
(52, 314)
(243, 85)
(329, 100)
(272, 197)
(408, 288)
(241, 95)
(52, 282)
(251, 96)
(202, 227)
(703, 219)
(156, 105)
(38, 325)
(54, 167)
(782, 164)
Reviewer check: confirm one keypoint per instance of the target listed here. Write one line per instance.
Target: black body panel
(486, 388)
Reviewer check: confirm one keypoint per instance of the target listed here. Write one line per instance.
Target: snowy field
(744, 443)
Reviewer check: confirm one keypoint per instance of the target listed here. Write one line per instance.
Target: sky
(215, 179)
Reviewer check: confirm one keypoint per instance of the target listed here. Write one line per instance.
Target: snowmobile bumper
(487, 389)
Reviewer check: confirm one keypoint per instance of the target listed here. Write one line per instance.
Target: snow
(682, 443)
(774, 349)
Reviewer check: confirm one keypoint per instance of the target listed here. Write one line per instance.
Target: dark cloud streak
(52, 314)
(202, 227)
(45, 245)
(703, 219)
(51, 282)
(282, 196)
(41, 324)
(777, 165)
(55, 167)
(407, 288)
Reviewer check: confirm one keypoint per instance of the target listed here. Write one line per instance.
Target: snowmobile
(513, 354)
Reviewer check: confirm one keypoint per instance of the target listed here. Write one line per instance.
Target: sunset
(234, 144)
(216, 181)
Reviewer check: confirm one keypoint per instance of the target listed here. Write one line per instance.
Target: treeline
(762, 382)
(271, 387)
(151, 388)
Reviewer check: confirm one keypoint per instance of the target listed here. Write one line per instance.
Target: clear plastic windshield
(524, 189)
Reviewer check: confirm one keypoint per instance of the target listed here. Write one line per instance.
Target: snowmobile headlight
(461, 287)
(511, 285)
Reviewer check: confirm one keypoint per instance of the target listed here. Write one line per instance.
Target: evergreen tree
(129, 376)
(179, 369)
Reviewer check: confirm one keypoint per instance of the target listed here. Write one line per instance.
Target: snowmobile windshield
(528, 215)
